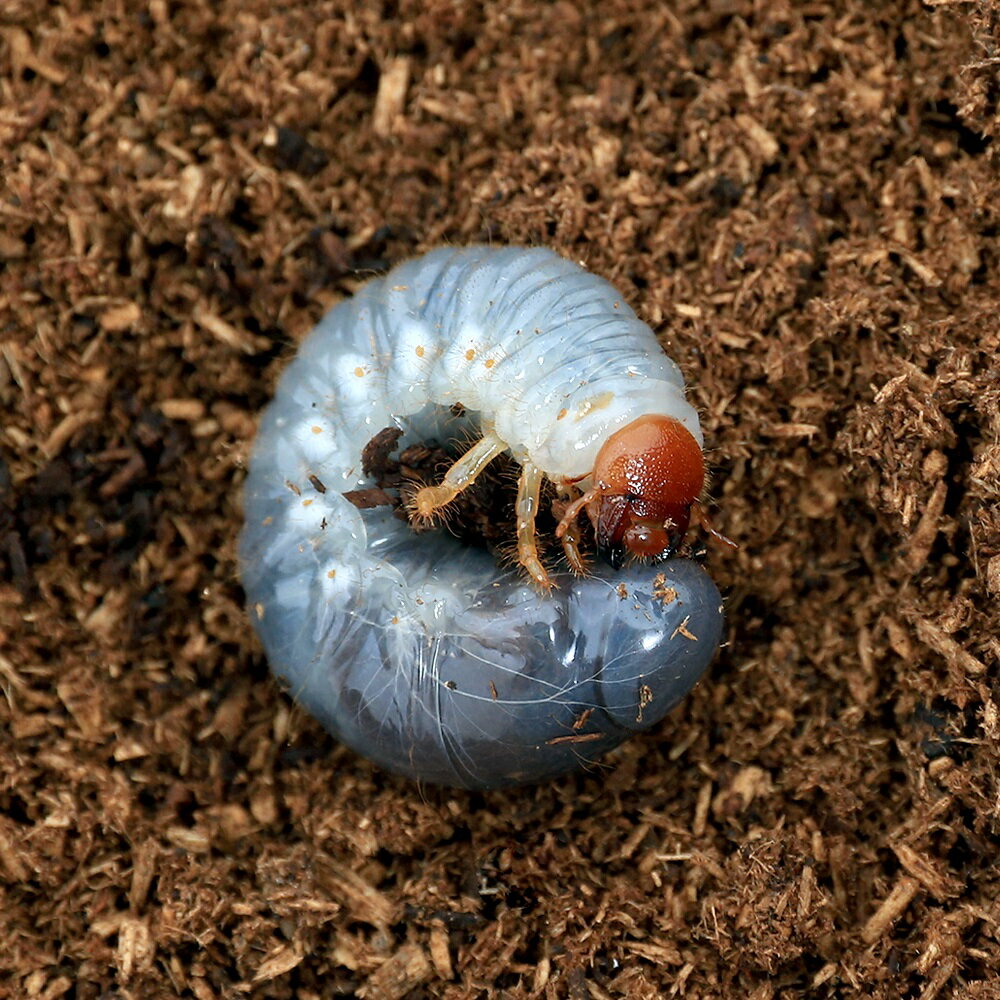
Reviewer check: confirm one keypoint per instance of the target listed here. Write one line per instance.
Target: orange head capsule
(646, 477)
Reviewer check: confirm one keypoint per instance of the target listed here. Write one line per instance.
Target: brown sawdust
(802, 198)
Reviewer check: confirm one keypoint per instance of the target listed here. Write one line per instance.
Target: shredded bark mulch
(802, 199)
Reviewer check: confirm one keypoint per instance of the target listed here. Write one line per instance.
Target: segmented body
(421, 654)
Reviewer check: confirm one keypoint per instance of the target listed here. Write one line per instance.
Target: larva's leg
(571, 535)
(528, 488)
(572, 512)
(459, 477)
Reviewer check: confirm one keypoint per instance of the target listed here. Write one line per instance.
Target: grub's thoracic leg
(528, 488)
(459, 477)
(571, 532)
(572, 512)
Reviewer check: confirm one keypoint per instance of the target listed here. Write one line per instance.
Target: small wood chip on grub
(662, 591)
(375, 454)
(580, 738)
(683, 630)
(645, 698)
(369, 498)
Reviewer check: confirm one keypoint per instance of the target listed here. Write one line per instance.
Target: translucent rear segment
(496, 685)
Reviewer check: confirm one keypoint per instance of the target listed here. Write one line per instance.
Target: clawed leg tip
(428, 504)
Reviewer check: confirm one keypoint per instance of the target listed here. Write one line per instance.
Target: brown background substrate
(801, 198)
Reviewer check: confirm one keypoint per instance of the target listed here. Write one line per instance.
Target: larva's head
(647, 475)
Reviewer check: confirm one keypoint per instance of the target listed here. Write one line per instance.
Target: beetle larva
(420, 653)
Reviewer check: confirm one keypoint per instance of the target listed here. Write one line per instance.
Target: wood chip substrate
(801, 198)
